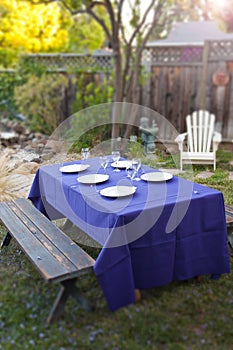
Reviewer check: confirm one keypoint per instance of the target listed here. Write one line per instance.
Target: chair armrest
(180, 139)
(217, 138)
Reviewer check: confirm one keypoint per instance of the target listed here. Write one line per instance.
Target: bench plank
(55, 255)
(39, 237)
(55, 240)
(41, 258)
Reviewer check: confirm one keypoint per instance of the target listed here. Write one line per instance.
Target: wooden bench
(55, 255)
(229, 221)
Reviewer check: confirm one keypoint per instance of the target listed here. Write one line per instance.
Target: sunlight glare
(219, 4)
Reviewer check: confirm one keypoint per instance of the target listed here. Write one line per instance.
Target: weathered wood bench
(55, 255)
(229, 221)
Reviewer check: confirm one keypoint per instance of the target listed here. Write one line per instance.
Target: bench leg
(68, 289)
(6, 240)
(67, 225)
(230, 236)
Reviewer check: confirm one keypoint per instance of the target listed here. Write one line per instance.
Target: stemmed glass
(136, 164)
(115, 157)
(130, 171)
(85, 153)
(104, 160)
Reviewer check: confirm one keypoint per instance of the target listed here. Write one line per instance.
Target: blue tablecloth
(166, 231)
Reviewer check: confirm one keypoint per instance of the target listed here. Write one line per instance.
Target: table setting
(153, 227)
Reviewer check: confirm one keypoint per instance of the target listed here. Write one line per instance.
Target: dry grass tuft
(8, 182)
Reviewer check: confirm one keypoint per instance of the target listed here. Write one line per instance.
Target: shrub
(91, 92)
(89, 127)
(40, 99)
(8, 82)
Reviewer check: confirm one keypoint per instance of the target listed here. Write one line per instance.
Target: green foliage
(27, 67)
(40, 100)
(91, 138)
(8, 82)
(85, 35)
(220, 181)
(91, 92)
(8, 57)
(135, 149)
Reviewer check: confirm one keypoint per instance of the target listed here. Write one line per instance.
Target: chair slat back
(200, 128)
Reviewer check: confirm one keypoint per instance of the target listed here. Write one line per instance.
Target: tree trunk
(118, 97)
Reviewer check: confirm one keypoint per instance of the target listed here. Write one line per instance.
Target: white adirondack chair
(199, 144)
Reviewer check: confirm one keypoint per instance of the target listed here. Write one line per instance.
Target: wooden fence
(186, 78)
(180, 79)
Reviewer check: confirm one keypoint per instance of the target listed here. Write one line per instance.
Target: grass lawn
(182, 315)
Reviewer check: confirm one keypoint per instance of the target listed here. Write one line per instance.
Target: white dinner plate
(74, 168)
(122, 164)
(92, 178)
(157, 176)
(118, 191)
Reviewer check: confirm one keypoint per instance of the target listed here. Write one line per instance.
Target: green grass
(182, 315)
(219, 180)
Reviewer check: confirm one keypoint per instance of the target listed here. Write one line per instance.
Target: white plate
(74, 168)
(122, 164)
(93, 178)
(157, 176)
(118, 191)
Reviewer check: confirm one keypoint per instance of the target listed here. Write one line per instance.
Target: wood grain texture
(54, 254)
(229, 215)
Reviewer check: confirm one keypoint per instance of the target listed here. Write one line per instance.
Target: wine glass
(130, 171)
(136, 164)
(115, 157)
(104, 160)
(85, 153)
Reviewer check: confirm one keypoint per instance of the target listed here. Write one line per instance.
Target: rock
(40, 147)
(8, 138)
(25, 156)
(28, 147)
(27, 168)
(47, 156)
(27, 132)
(38, 136)
(204, 174)
(19, 129)
(55, 146)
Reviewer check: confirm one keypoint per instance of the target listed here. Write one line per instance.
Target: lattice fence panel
(171, 55)
(221, 50)
(64, 62)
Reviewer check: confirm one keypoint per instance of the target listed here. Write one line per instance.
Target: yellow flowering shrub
(33, 28)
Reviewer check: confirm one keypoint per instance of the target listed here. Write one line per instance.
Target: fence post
(204, 74)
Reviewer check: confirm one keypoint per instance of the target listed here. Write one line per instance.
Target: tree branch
(100, 21)
(119, 17)
(111, 12)
(136, 31)
(142, 22)
(157, 15)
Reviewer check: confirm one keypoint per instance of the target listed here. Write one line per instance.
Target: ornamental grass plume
(8, 182)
